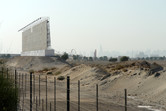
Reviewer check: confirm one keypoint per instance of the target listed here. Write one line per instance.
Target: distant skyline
(119, 26)
(132, 53)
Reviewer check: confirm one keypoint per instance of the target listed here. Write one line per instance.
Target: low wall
(49, 52)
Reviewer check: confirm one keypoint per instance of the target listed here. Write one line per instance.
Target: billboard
(35, 38)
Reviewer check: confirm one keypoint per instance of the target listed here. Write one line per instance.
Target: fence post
(36, 103)
(22, 83)
(46, 93)
(31, 91)
(125, 99)
(23, 103)
(25, 83)
(19, 81)
(2, 71)
(15, 85)
(42, 105)
(50, 106)
(39, 90)
(78, 95)
(96, 97)
(15, 79)
(7, 73)
(34, 88)
(68, 93)
(54, 94)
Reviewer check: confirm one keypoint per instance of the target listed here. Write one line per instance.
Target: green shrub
(8, 95)
(61, 78)
(124, 58)
(65, 56)
(113, 59)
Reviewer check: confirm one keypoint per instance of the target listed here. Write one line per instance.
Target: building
(95, 55)
(36, 39)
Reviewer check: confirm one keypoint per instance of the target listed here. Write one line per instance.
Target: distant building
(95, 54)
(118, 58)
(36, 38)
(141, 55)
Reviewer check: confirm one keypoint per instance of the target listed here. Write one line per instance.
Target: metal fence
(38, 92)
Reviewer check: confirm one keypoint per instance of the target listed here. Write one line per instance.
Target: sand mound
(144, 80)
(35, 63)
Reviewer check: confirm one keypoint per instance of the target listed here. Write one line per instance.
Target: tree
(113, 59)
(101, 58)
(90, 58)
(124, 58)
(75, 57)
(105, 58)
(65, 56)
(8, 56)
(85, 58)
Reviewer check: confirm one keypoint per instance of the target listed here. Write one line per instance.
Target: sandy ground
(143, 89)
(107, 102)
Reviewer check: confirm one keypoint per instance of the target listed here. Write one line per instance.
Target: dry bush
(125, 70)
(49, 72)
(57, 73)
(61, 78)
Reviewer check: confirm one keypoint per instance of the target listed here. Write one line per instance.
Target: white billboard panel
(35, 38)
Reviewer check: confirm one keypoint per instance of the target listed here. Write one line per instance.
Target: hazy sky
(84, 25)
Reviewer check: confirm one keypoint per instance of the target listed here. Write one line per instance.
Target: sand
(143, 89)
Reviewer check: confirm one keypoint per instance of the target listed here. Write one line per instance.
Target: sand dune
(145, 85)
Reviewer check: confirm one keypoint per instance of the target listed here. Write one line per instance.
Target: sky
(86, 25)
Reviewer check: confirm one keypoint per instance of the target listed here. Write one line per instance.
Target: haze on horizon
(85, 25)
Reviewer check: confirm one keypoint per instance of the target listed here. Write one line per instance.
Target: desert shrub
(61, 78)
(8, 95)
(57, 73)
(125, 70)
(49, 72)
(1, 62)
(124, 58)
(118, 67)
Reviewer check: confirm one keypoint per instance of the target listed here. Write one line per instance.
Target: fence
(39, 92)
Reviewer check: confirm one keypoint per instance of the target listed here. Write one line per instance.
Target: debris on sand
(155, 68)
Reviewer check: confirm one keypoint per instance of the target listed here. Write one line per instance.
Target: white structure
(95, 54)
(36, 38)
(119, 57)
